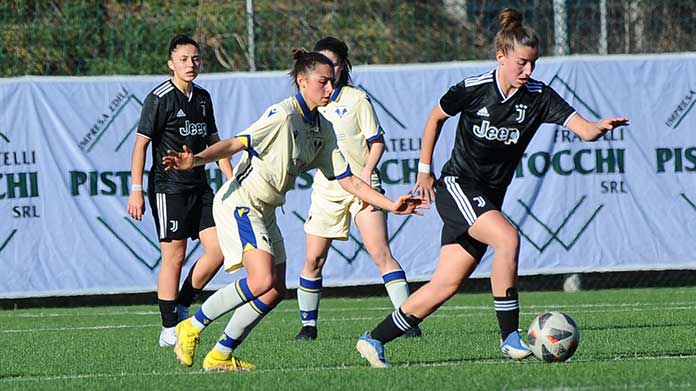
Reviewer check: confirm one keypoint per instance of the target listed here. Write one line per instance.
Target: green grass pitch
(635, 339)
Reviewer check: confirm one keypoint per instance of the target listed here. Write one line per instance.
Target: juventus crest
(521, 111)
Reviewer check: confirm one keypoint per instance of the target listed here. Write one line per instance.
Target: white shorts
(244, 224)
(331, 219)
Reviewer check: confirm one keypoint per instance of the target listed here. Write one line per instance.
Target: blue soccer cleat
(514, 347)
(372, 350)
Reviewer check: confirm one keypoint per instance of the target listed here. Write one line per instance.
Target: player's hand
(425, 187)
(178, 160)
(608, 124)
(136, 205)
(409, 204)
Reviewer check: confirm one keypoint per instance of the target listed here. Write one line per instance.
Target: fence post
(251, 38)
(603, 46)
(560, 27)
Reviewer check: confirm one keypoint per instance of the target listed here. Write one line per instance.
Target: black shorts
(182, 216)
(459, 204)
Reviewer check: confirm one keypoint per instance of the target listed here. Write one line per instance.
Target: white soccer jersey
(286, 141)
(355, 124)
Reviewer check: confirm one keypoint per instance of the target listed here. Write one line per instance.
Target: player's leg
(259, 266)
(328, 219)
(173, 253)
(243, 321)
(454, 265)
(309, 289)
(372, 224)
(201, 272)
(494, 229)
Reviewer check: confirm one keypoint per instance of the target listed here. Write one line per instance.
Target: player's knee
(260, 284)
(314, 263)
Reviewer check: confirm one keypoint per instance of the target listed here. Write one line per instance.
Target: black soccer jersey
(493, 131)
(171, 119)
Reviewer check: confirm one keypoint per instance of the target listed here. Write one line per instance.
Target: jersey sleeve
(558, 111)
(257, 137)
(151, 120)
(330, 161)
(367, 121)
(455, 99)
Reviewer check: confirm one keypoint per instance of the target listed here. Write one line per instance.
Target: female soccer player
(178, 112)
(360, 138)
(500, 112)
(288, 139)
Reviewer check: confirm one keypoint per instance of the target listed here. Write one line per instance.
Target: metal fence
(90, 37)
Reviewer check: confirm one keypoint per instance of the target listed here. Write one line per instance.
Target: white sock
(308, 294)
(244, 319)
(397, 286)
(225, 300)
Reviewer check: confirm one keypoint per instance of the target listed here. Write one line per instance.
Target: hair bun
(297, 53)
(510, 19)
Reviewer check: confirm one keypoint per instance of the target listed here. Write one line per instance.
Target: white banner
(626, 202)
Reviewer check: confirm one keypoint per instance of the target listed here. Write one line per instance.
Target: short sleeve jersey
(355, 124)
(286, 141)
(493, 130)
(171, 120)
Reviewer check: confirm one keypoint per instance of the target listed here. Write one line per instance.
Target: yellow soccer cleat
(220, 362)
(187, 337)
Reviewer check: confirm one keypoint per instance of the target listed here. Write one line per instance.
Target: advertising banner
(626, 202)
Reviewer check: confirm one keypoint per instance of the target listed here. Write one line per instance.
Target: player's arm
(591, 131)
(425, 181)
(136, 201)
(224, 164)
(373, 157)
(405, 204)
(186, 160)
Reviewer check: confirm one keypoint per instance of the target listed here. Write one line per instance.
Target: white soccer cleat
(167, 337)
(372, 350)
(514, 347)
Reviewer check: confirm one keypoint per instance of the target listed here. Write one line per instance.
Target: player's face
(334, 59)
(517, 65)
(316, 86)
(185, 63)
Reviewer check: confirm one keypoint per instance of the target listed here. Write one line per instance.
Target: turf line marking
(661, 306)
(19, 379)
(338, 319)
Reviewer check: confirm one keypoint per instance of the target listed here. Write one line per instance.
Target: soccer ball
(553, 336)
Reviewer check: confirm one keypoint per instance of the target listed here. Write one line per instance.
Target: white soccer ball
(553, 336)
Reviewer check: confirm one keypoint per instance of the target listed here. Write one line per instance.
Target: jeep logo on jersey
(192, 129)
(506, 135)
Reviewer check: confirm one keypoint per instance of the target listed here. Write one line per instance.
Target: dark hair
(513, 33)
(339, 48)
(180, 40)
(305, 62)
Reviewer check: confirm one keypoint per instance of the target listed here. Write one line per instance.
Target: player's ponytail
(340, 49)
(305, 62)
(513, 33)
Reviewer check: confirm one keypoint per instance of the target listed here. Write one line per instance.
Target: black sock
(507, 309)
(168, 312)
(188, 294)
(394, 326)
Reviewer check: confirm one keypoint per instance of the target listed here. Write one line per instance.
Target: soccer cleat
(307, 333)
(413, 332)
(187, 337)
(182, 312)
(372, 350)
(514, 347)
(167, 337)
(220, 362)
